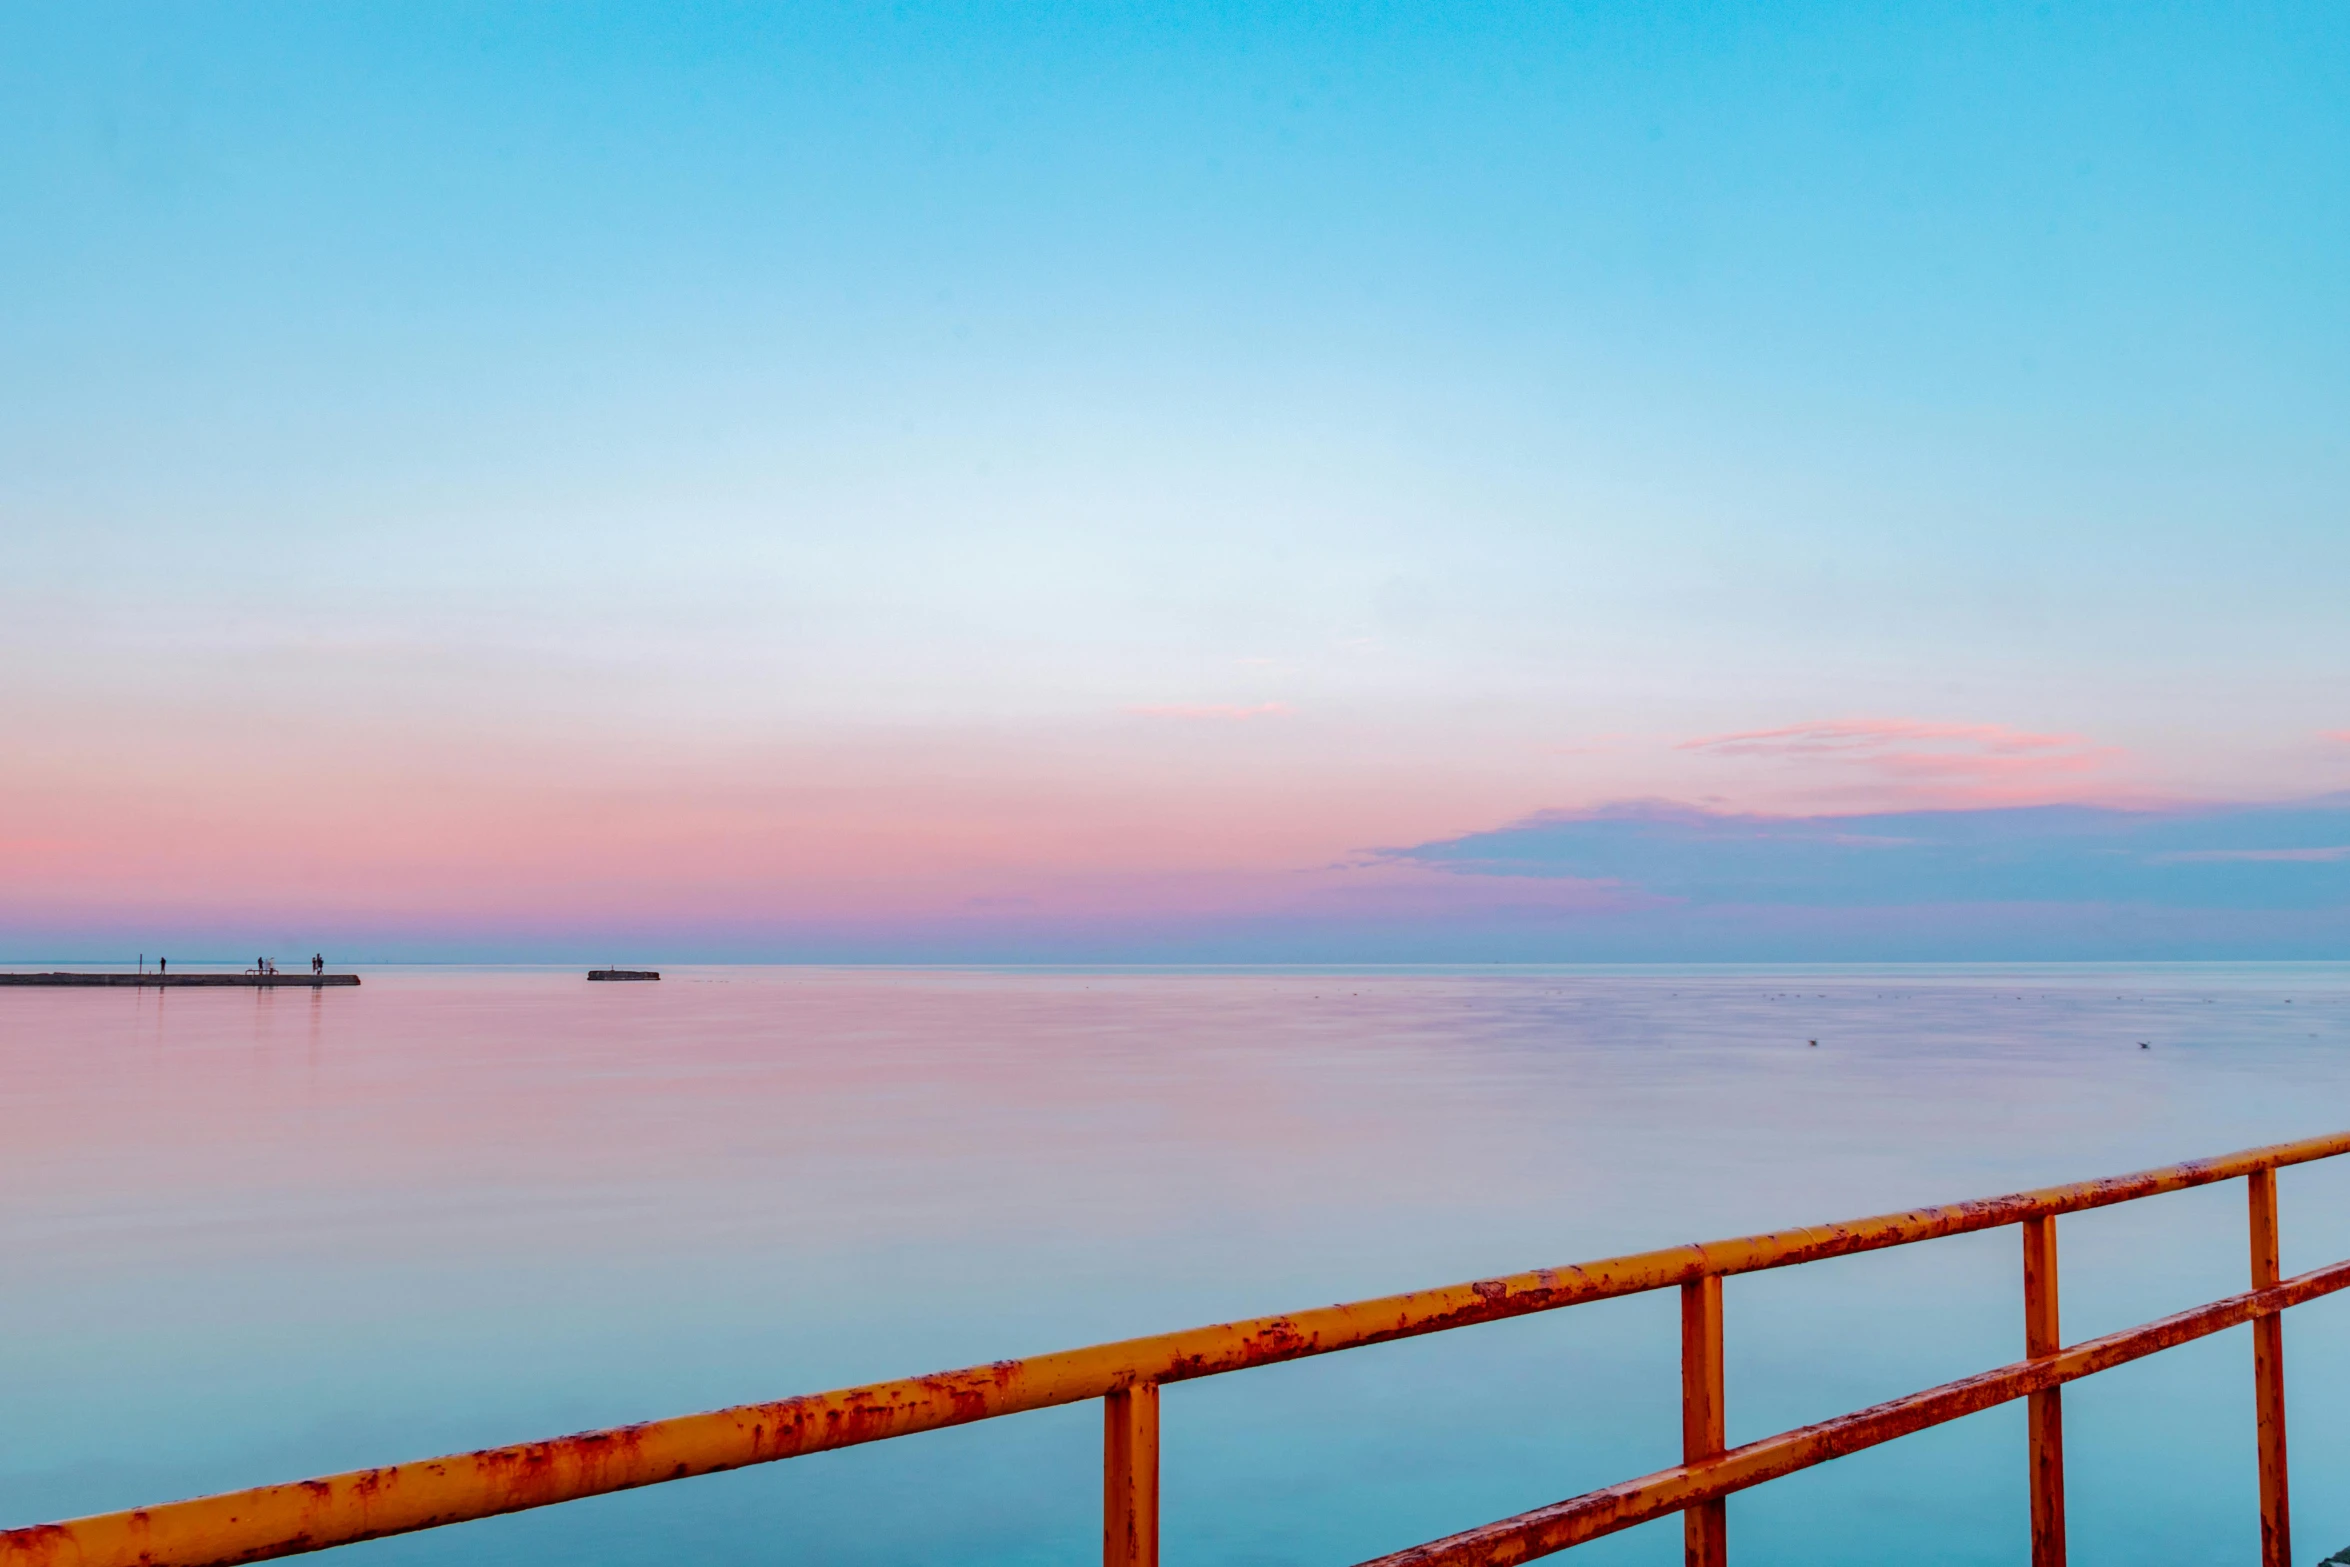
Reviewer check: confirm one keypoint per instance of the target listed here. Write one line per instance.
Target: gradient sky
(944, 481)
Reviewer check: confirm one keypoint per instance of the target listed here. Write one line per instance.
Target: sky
(1178, 483)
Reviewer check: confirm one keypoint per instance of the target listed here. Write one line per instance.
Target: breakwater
(249, 981)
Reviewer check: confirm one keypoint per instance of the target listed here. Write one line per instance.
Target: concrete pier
(304, 979)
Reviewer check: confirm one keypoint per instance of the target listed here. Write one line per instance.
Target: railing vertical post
(1705, 1528)
(2268, 1376)
(2043, 1335)
(1130, 1477)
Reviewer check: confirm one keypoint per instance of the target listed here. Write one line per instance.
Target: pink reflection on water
(266, 1233)
(811, 1102)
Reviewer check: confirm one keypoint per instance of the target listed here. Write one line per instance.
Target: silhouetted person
(317, 963)
(162, 966)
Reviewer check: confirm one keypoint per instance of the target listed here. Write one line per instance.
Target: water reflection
(254, 1236)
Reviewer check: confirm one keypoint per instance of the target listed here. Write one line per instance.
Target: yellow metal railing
(366, 1504)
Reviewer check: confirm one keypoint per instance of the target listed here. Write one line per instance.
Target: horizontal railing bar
(310, 1515)
(1668, 1491)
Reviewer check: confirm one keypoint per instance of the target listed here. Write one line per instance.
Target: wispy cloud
(1952, 763)
(1876, 736)
(1593, 745)
(1212, 711)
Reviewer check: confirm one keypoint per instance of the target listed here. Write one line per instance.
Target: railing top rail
(308, 1515)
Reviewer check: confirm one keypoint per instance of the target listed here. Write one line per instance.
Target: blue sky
(864, 465)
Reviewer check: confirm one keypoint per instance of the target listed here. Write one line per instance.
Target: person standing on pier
(317, 964)
(162, 966)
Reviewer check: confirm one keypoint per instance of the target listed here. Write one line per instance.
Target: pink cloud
(40, 845)
(2342, 736)
(1226, 712)
(1853, 736)
(1952, 763)
(1595, 745)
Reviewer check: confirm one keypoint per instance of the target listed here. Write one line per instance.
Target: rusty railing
(312, 1515)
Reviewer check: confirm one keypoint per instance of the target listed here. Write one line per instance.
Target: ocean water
(254, 1236)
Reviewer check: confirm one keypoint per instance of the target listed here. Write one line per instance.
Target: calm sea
(255, 1236)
